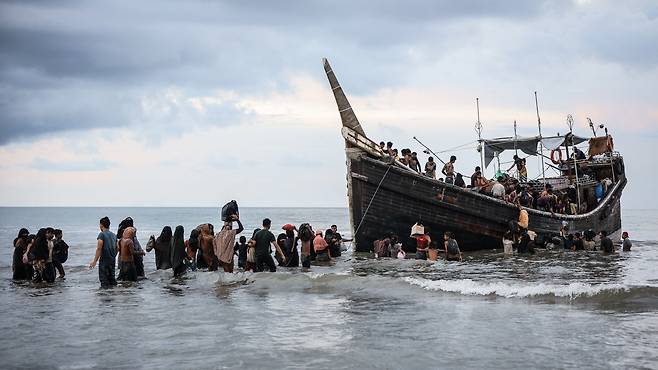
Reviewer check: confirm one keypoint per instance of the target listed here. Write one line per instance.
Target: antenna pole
(541, 143)
(478, 128)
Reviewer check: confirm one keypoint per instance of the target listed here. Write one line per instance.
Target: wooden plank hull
(478, 221)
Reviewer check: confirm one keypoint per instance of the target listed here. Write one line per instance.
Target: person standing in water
(19, 269)
(127, 270)
(626, 243)
(106, 252)
(60, 253)
(451, 248)
(178, 254)
(606, 244)
(306, 235)
(263, 239)
(224, 240)
(422, 245)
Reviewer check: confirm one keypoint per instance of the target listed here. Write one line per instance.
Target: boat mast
(575, 163)
(541, 143)
(478, 128)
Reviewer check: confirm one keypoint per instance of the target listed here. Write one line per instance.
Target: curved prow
(347, 115)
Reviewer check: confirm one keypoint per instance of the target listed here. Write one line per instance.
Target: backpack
(305, 232)
(229, 209)
(453, 247)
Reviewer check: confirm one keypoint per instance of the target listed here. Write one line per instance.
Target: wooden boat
(386, 196)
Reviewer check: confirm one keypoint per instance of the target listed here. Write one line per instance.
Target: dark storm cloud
(78, 65)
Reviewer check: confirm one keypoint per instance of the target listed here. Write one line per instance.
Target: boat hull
(402, 198)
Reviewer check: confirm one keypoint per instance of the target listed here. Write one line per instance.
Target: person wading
(106, 252)
(263, 239)
(224, 241)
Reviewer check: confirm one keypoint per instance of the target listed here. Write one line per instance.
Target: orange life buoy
(559, 152)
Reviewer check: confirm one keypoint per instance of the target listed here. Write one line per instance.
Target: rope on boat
(370, 203)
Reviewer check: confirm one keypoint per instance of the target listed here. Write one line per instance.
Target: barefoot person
(106, 252)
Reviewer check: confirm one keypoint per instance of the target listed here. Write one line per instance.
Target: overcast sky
(193, 103)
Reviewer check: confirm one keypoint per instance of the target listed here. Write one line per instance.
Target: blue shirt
(109, 251)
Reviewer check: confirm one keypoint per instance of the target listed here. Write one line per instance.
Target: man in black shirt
(606, 243)
(263, 239)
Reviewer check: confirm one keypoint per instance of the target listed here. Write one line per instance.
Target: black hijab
(178, 247)
(22, 235)
(41, 245)
(165, 235)
(163, 249)
(194, 240)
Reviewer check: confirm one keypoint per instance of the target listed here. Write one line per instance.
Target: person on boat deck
(517, 164)
(18, 267)
(414, 163)
(389, 148)
(322, 253)
(578, 154)
(224, 241)
(626, 243)
(422, 245)
(449, 170)
(106, 252)
(525, 197)
(263, 239)
(451, 247)
(606, 244)
(127, 271)
(406, 156)
(430, 168)
(459, 180)
(382, 146)
(498, 189)
(477, 180)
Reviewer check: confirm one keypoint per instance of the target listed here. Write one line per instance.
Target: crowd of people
(205, 249)
(37, 257)
(390, 246)
(515, 190)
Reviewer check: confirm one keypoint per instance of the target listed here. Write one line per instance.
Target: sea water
(555, 309)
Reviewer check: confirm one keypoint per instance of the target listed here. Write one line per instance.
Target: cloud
(227, 89)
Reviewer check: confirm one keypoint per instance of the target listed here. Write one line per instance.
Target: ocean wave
(517, 290)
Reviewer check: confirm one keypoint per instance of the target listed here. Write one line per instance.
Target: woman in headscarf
(19, 269)
(178, 254)
(127, 252)
(41, 254)
(163, 249)
(206, 247)
(290, 249)
(192, 245)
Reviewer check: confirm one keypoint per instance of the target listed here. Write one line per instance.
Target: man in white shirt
(498, 190)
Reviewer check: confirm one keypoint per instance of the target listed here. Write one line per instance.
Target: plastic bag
(230, 209)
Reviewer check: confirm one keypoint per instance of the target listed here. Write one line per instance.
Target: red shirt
(422, 242)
